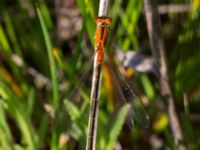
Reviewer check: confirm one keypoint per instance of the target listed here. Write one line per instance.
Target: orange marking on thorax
(102, 32)
(100, 54)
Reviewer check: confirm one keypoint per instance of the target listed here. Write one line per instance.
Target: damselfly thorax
(102, 29)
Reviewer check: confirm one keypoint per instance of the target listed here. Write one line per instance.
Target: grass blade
(117, 126)
(51, 59)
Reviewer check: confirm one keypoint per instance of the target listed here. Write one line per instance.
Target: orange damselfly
(127, 94)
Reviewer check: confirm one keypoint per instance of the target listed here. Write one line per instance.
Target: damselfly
(102, 28)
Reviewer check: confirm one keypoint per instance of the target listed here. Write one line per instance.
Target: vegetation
(46, 53)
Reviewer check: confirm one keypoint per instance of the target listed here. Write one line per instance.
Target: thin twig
(103, 8)
(158, 51)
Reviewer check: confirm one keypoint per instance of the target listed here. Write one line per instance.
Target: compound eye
(107, 20)
(98, 20)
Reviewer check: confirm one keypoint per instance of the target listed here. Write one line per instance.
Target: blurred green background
(46, 49)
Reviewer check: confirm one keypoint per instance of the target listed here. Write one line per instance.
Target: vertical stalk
(95, 92)
(158, 51)
(103, 8)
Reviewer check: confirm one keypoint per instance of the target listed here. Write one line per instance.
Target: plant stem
(103, 8)
(158, 51)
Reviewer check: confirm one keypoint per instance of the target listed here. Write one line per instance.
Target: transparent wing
(137, 112)
(82, 79)
(80, 82)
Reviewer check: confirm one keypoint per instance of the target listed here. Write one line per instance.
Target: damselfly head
(103, 20)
